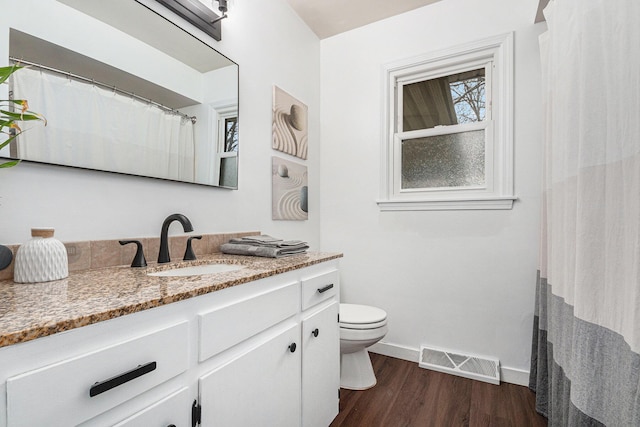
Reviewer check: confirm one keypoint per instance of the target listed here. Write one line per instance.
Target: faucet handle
(189, 255)
(138, 259)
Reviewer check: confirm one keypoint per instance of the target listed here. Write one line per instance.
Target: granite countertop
(34, 310)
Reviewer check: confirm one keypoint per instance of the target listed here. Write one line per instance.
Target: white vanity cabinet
(255, 366)
(262, 353)
(281, 366)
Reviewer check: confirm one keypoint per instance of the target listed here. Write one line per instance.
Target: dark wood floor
(409, 396)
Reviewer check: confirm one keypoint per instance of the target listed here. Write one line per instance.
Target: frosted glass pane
(229, 172)
(454, 160)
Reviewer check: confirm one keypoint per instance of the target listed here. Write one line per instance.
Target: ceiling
(330, 17)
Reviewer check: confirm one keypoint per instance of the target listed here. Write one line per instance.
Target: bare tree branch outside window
(469, 99)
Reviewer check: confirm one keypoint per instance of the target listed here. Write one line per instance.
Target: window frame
(495, 54)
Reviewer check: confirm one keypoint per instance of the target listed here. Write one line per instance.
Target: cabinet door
(258, 388)
(320, 367)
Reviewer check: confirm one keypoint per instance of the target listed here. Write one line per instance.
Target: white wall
(460, 280)
(272, 46)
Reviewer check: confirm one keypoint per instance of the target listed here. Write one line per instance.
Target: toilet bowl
(361, 326)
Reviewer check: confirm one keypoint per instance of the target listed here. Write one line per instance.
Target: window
(226, 164)
(229, 156)
(448, 140)
(231, 134)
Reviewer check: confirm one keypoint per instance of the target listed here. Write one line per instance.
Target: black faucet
(138, 259)
(163, 256)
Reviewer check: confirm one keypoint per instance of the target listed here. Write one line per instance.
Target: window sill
(478, 203)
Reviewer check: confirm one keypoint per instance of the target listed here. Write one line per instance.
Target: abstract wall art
(290, 134)
(289, 193)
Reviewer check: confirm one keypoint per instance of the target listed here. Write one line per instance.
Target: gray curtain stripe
(562, 411)
(583, 374)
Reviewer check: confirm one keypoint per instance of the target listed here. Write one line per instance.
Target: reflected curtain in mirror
(118, 132)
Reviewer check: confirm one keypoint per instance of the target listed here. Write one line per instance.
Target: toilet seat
(356, 316)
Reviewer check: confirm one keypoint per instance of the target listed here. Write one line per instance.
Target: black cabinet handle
(292, 347)
(325, 289)
(106, 385)
(171, 425)
(315, 332)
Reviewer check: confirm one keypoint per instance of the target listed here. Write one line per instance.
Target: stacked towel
(264, 246)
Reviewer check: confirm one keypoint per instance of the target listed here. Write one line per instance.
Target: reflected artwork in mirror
(124, 90)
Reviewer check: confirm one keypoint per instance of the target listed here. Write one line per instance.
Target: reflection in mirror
(145, 98)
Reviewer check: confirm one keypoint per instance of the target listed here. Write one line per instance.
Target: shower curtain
(586, 347)
(96, 128)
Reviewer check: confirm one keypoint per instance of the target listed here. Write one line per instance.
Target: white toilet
(361, 326)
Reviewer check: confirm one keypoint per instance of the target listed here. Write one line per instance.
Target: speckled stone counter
(30, 311)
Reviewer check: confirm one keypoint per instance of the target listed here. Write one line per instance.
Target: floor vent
(463, 365)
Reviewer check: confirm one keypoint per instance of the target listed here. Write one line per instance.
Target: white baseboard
(507, 375)
(514, 376)
(397, 351)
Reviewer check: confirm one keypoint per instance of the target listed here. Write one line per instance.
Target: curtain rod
(106, 86)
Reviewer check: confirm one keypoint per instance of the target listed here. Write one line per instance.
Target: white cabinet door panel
(259, 388)
(320, 367)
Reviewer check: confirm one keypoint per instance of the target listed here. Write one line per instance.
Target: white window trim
(498, 193)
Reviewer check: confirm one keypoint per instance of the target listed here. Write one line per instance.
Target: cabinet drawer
(60, 394)
(319, 288)
(174, 409)
(227, 326)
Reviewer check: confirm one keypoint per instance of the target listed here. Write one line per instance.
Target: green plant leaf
(9, 164)
(5, 72)
(29, 115)
(8, 140)
(8, 118)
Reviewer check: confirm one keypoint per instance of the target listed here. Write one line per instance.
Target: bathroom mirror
(123, 90)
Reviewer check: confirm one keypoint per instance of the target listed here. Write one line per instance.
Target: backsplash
(109, 253)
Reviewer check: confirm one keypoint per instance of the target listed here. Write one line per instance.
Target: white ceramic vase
(41, 259)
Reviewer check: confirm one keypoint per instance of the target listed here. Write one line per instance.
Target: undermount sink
(196, 270)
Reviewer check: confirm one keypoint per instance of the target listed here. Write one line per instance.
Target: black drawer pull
(315, 332)
(292, 347)
(325, 289)
(106, 385)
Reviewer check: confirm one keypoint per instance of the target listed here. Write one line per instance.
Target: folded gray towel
(262, 251)
(269, 242)
(261, 239)
(290, 243)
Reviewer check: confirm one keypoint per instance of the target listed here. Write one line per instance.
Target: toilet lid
(355, 316)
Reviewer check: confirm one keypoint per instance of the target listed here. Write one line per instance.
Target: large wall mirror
(123, 90)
